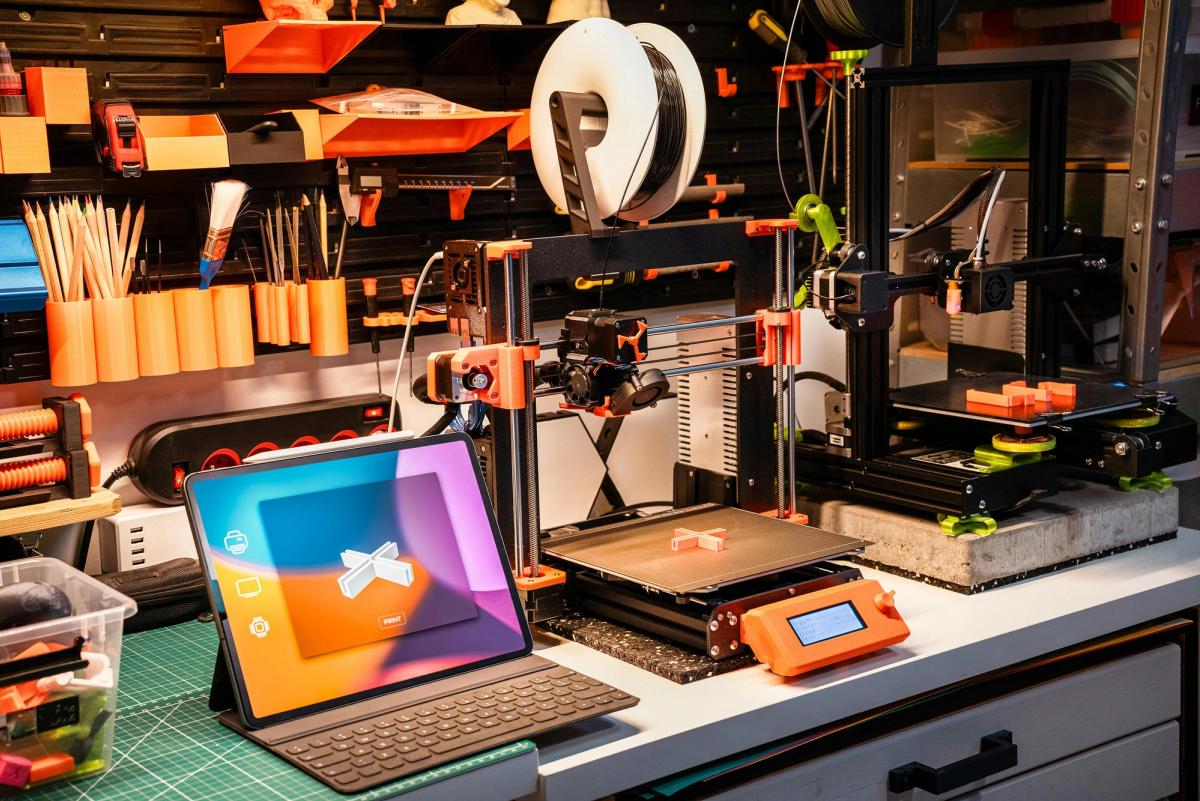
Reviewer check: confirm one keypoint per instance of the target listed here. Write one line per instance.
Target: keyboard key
(469, 729)
(406, 718)
(361, 750)
(342, 746)
(617, 695)
(342, 735)
(346, 778)
(524, 692)
(449, 735)
(362, 730)
(392, 764)
(416, 756)
(509, 717)
(329, 761)
(560, 673)
(297, 749)
(359, 762)
(487, 704)
(366, 738)
(407, 748)
(529, 710)
(590, 693)
(602, 700)
(485, 713)
(502, 689)
(444, 705)
(336, 770)
(451, 715)
(465, 700)
(559, 682)
(370, 770)
(319, 742)
(487, 724)
(466, 720)
(506, 708)
(470, 709)
(425, 712)
(411, 726)
(520, 684)
(425, 731)
(316, 754)
(547, 706)
(427, 741)
(584, 705)
(404, 738)
(525, 702)
(388, 732)
(485, 695)
(545, 717)
(445, 725)
(542, 697)
(428, 720)
(384, 755)
(382, 723)
(560, 691)
(542, 688)
(379, 745)
(507, 698)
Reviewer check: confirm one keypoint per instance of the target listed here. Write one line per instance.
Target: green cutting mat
(169, 746)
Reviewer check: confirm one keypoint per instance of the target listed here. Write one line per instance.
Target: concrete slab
(1084, 521)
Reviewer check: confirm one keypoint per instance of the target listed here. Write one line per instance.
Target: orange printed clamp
(547, 577)
(496, 251)
(768, 324)
(768, 227)
(725, 86)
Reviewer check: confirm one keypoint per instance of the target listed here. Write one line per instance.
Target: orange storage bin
(71, 334)
(157, 345)
(195, 329)
(116, 339)
(288, 46)
(364, 135)
(329, 328)
(235, 337)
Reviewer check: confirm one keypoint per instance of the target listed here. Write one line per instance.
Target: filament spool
(654, 100)
(861, 24)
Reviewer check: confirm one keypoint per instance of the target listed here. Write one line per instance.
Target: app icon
(236, 543)
(382, 563)
(259, 627)
(248, 587)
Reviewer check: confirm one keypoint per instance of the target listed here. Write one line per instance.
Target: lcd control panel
(822, 628)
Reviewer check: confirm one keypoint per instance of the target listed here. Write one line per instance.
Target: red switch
(373, 413)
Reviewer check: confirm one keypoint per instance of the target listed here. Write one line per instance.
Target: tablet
(344, 575)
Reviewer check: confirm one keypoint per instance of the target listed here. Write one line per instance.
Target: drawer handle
(997, 752)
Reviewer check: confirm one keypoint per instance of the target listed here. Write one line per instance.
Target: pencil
(135, 238)
(324, 211)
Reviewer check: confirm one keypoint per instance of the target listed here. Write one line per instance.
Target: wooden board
(23, 519)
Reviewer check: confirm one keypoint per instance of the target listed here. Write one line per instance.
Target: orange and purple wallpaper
(344, 576)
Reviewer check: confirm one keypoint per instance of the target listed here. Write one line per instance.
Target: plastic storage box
(58, 679)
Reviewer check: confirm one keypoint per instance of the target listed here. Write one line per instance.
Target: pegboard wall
(167, 57)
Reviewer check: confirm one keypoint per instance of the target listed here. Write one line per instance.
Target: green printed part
(1157, 481)
(813, 216)
(996, 460)
(848, 59)
(953, 526)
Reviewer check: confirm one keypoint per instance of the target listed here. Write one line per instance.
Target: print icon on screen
(382, 563)
(259, 627)
(236, 543)
(248, 587)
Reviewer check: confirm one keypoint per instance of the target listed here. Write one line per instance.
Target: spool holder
(567, 110)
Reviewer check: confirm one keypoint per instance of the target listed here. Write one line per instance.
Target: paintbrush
(227, 197)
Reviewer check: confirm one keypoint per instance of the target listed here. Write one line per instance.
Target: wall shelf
(369, 135)
(291, 47)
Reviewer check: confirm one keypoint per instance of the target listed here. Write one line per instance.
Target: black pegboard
(166, 56)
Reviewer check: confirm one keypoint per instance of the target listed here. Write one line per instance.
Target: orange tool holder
(822, 628)
(798, 72)
(46, 454)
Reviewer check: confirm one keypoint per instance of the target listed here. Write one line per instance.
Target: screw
(1158, 445)
(734, 645)
(714, 651)
(1075, 293)
(1163, 225)
(1167, 179)
(861, 322)
(1137, 227)
(791, 590)
(712, 625)
(1140, 183)
(732, 618)
(899, 179)
(1088, 461)
(750, 482)
(983, 504)
(862, 255)
(970, 489)
(1101, 264)
(749, 375)
(1100, 463)
(1121, 448)
(25, 16)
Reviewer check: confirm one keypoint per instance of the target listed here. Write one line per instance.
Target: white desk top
(676, 727)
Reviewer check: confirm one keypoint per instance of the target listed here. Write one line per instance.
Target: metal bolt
(691, 474)
(750, 482)
(899, 179)
(1100, 463)
(1121, 448)
(734, 645)
(749, 375)
(1167, 179)
(712, 625)
(862, 322)
(1137, 227)
(1158, 445)
(24, 16)
(896, 216)
(1088, 461)
(714, 651)
(1163, 225)
(983, 504)
(1102, 264)
(477, 381)
(732, 618)
(862, 255)
(791, 590)
(1140, 183)
(1075, 293)
(970, 489)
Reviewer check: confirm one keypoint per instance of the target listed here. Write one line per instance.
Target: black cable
(631, 507)
(122, 470)
(442, 422)
(827, 380)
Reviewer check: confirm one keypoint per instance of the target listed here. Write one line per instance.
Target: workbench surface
(676, 727)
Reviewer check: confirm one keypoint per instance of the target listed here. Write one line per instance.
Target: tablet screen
(342, 575)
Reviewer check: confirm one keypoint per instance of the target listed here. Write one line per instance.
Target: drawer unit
(1054, 722)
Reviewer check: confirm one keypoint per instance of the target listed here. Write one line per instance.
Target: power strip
(144, 535)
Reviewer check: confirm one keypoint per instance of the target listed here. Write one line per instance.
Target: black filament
(672, 128)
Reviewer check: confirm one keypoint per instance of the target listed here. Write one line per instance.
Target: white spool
(603, 57)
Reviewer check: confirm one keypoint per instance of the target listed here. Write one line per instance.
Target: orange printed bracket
(518, 132)
(799, 518)
(549, 577)
(686, 539)
(767, 326)
(367, 135)
(726, 87)
(390, 319)
(768, 227)
(291, 47)
(496, 251)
